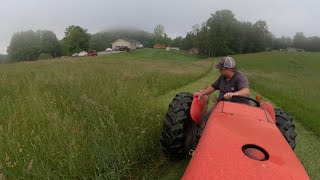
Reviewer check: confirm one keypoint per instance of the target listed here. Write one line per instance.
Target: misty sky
(284, 17)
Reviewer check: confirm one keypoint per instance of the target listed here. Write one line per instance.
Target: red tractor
(236, 141)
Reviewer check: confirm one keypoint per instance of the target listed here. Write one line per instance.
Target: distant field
(80, 118)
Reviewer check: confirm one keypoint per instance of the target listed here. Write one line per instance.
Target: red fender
(270, 109)
(198, 108)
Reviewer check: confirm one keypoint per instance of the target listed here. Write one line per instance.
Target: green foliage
(76, 39)
(281, 43)
(223, 34)
(50, 44)
(28, 45)
(24, 46)
(177, 42)
(306, 43)
(4, 59)
(159, 34)
(45, 56)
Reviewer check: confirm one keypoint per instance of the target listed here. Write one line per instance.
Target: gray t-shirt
(236, 83)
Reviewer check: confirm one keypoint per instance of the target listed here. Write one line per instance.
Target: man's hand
(198, 93)
(215, 100)
(229, 95)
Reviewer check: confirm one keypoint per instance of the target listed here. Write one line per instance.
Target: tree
(300, 41)
(159, 34)
(4, 59)
(313, 44)
(221, 32)
(28, 45)
(188, 41)
(49, 43)
(76, 39)
(260, 30)
(177, 42)
(24, 46)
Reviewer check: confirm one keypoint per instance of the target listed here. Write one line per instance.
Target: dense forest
(221, 34)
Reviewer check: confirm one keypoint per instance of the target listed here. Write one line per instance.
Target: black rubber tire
(179, 130)
(286, 126)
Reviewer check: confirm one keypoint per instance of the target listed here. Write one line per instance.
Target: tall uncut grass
(84, 118)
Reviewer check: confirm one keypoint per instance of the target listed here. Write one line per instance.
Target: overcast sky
(284, 17)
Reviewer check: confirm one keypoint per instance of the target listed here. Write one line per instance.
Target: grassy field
(101, 117)
(87, 117)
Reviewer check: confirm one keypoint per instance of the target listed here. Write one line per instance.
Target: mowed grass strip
(84, 118)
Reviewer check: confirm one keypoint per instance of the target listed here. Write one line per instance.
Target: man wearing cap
(231, 82)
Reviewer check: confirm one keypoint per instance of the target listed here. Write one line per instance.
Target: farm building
(159, 46)
(131, 44)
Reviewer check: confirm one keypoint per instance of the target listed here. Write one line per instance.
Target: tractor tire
(179, 132)
(286, 126)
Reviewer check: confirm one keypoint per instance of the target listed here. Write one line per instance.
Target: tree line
(221, 34)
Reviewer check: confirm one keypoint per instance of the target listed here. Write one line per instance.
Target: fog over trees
(221, 34)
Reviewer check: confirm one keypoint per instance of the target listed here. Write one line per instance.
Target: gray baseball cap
(226, 62)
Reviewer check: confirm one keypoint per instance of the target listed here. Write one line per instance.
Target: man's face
(224, 72)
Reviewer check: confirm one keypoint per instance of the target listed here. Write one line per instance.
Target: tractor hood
(242, 142)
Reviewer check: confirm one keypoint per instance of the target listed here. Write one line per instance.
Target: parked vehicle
(108, 50)
(75, 54)
(116, 48)
(124, 48)
(92, 53)
(83, 53)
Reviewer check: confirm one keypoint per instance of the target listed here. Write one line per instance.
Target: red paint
(219, 153)
(198, 107)
(270, 109)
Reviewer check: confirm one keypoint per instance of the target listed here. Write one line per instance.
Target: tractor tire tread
(284, 122)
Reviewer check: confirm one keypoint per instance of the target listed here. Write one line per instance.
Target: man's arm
(241, 92)
(207, 90)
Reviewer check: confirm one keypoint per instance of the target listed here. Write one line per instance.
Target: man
(231, 82)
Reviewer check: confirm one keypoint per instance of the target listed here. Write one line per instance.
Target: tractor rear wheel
(286, 126)
(179, 130)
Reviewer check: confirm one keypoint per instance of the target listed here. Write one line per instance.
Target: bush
(45, 56)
